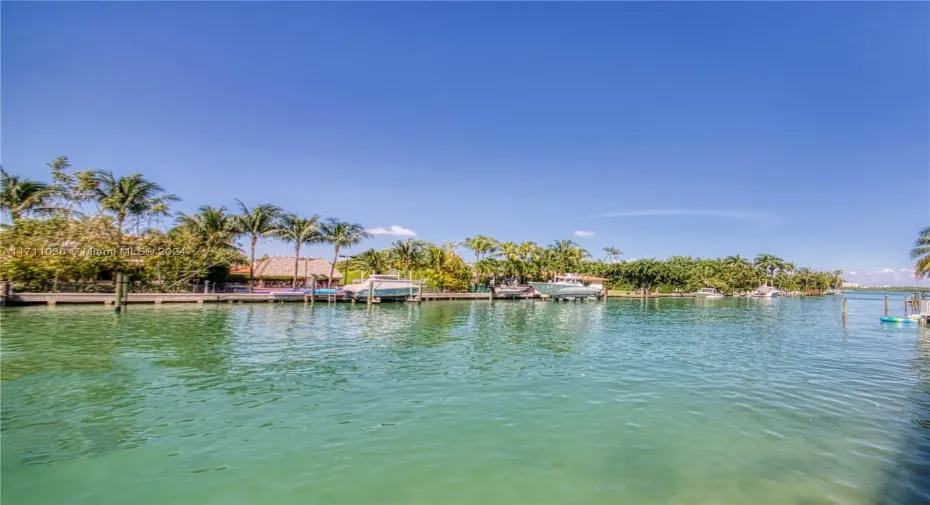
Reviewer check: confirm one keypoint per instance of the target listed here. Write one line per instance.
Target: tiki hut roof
(283, 266)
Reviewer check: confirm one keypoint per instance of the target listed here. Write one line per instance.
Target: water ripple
(634, 401)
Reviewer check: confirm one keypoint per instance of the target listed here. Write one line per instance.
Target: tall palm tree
(921, 253)
(341, 234)
(407, 252)
(255, 223)
(19, 197)
(769, 264)
(612, 252)
(525, 253)
(129, 196)
(299, 231)
(481, 245)
(568, 254)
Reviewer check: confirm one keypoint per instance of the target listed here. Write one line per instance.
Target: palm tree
(341, 234)
(438, 257)
(299, 231)
(373, 261)
(21, 196)
(212, 226)
(407, 252)
(255, 223)
(921, 253)
(568, 254)
(486, 267)
(129, 196)
(481, 245)
(611, 253)
(769, 264)
(835, 279)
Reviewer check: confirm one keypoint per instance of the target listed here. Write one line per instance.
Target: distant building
(850, 284)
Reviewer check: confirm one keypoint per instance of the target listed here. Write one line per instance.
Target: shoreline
(108, 299)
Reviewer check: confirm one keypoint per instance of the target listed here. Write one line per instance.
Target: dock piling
(886, 305)
(845, 303)
(118, 292)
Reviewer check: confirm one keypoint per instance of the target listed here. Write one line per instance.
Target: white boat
(709, 293)
(765, 292)
(568, 286)
(511, 288)
(386, 286)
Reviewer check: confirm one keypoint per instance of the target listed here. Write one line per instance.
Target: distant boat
(385, 286)
(835, 292)
(568, 286)
(765, 292)
(709, 293)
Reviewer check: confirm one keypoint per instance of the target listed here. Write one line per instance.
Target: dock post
(371, 292)
(313, 291)
(845, 303)
(906, 304)
(886, 305)
(126, 284)
(118, 292)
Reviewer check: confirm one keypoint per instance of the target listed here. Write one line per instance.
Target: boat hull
(564, 291)
(511, 291)
(401, 291)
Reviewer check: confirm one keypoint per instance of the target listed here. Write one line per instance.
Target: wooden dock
(52, 299)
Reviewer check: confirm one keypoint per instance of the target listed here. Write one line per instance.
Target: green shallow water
(644, 402)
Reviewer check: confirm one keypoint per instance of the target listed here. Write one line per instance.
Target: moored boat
(511, 288)
(384, 286)
(568, 286)
(765, 292)
(709, 293)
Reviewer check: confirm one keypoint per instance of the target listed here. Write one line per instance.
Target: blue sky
(706, 129)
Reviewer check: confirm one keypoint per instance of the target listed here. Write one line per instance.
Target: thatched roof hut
(281, 267)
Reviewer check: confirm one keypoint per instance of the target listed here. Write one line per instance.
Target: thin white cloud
(397, 231)
(582, 233)
(887, 271)
(908, 270)
(851, 272)
(747, 215)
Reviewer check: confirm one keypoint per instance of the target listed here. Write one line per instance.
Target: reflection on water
(635, 401)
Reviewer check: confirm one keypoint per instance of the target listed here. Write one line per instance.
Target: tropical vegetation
(60, 231)
(921, 254)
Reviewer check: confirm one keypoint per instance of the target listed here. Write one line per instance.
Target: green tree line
(95, 210)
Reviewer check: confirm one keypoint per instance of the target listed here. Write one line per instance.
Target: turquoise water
(672, 401)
